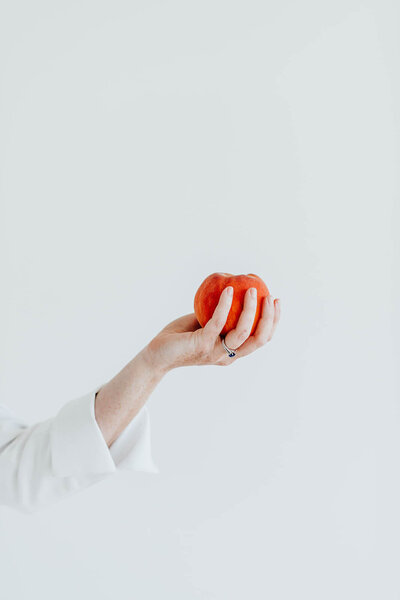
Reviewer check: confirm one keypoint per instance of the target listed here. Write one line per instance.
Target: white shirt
(48, 461)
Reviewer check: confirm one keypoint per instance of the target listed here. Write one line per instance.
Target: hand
(184, 342)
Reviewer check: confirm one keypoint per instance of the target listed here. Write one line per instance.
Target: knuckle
(207, 335)
(203, 347)
(216, 324)
(203, 350)
(242, 334)
(220, 324)
(211, 330)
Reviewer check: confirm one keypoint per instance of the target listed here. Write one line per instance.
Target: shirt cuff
(78, 447)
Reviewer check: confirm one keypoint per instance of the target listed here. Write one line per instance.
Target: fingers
(266, 326)
(215, 325)
(237, 336)
(277, 316)
(263, 332)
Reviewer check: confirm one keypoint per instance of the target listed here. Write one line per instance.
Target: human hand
(184, 342)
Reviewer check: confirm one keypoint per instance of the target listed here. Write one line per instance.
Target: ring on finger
(230, 351)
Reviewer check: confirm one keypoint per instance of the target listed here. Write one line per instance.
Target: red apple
(207, 297)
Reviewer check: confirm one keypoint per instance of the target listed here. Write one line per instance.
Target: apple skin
(207, 297)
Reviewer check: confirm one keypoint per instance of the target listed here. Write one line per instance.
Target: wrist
(153, 362)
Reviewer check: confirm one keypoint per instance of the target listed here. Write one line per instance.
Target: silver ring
(230, 352)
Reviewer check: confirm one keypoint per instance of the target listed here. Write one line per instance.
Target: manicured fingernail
(230, 290)
(270, 298)
(253, 292)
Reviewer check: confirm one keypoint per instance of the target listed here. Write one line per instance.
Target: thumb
(187, 323)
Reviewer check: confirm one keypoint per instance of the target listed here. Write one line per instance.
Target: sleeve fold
(45, 462)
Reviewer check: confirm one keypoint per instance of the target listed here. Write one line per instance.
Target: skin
(183, 342)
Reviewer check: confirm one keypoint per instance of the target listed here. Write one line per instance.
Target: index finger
(214, 326)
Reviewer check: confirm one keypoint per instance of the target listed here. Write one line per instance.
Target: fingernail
(253, 292)
(230, 290)
(270, 298)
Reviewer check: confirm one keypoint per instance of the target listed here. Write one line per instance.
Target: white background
(143, 146)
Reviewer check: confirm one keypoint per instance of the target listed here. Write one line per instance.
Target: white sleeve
(45, 462)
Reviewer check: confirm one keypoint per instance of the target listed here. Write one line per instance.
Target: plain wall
(143, 146)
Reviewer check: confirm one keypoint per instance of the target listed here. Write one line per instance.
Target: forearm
(119, 400)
